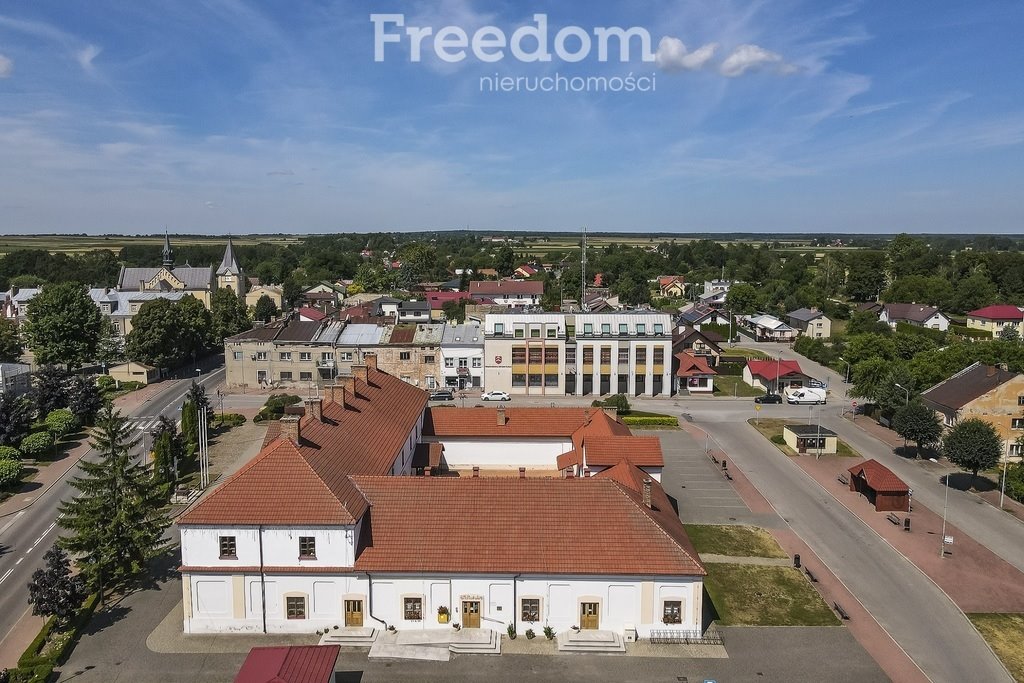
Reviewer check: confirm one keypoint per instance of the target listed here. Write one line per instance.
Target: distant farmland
(72, 244)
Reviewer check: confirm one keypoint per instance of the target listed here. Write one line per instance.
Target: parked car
(805, 396)
(768, 398)
(442, 395)
(815, 384)
(495, 396)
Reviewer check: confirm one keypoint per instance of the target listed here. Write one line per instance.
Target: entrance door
(801, 445)
(589, 615)
(353, 613)
(470, 614)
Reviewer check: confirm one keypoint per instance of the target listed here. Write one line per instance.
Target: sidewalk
(879, 645)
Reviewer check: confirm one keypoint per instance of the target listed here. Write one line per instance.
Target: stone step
(477, 646)
(596, 642)
(350, 637)
(383, 650)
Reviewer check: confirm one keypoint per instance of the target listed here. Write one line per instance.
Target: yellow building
(996, 319)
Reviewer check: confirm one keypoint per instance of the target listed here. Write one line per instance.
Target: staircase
(475, 641)
(593, 642)
(350, 637)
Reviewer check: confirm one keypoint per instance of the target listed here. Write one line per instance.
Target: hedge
(937, 336)
(34, 667)
(9, 453)
(10, 472)
(36, 445)
(650, 421)
(970, 332)
(229, 420)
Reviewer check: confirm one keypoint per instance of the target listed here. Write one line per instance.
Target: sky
(239, 116)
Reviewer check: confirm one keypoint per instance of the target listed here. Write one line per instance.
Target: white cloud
(85, 57)
(6, 66)
(673, 56)
(751, 57)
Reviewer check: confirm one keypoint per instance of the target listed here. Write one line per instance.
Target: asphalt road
(26, 536)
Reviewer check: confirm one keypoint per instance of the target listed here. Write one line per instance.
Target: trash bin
(906, 523)
(796, 560)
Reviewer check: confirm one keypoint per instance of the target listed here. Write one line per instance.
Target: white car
(495, 396)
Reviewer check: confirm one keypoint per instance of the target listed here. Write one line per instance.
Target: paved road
(26, 536)
(918, 615)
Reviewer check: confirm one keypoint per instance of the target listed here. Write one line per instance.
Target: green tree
(11, 346)
(230, 316)
(918, 423)
(50, 389)
(863, 322)
(10, 473)
(54, 591)
(15, 418)
(865, 276)
(972, 445)
(164, 458)
(116, 523)
(867, 376)
(742, 299)
(265, 309)
(190, 423)
(633, 289)
(155, 338)
(110, 345)
(84, 398)
(9, 453)
(1009, 334)
(196, 326)
(867, 346)
(63, 325)
(36, 445)
(61, 422)
(974, 291)
(454, 311)
(505, 260)
(291, 291)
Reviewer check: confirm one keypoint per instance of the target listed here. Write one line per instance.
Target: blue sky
(243, 116)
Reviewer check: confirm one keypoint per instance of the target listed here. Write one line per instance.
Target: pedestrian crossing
(144, 423)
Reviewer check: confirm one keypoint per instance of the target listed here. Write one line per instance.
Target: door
(589, 615)
(801, 445)
(353, 613)
(470, 614)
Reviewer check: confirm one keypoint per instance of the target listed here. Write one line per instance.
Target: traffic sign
(854, 403)
(757, 407)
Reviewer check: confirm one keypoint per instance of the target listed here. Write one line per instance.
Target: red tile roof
(438, 299)
(307, 483)
(296, 664)
(879, 477)
(605, 451)
(476, 525)
(998, 312)
(505, 287)
(536, 422)
(692, 365)
(772, 369)
(311, 313)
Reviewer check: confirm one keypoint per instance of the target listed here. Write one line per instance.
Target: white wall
(501, 453)
(200, 546)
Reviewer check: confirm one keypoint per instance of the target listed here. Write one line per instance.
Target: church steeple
(230, 274)
(229, 264)
(168, 252)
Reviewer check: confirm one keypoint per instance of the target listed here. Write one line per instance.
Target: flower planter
(442, 618)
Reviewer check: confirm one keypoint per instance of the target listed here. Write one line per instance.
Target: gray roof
(462, 335)
(917, 313)
(805, 315)
(965, 386)
(810, 430)
(194, 278)
(330, 332)
(229, 264)
(428, 334)
(360, 334)
(414, 306)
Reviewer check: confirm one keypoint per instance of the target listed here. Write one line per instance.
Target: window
(606, 355)
(325, 355)
(588, 355)
(413, 609)
(551, 380)
(535, 356)
(570, 330)
(518, 355)
(307, 547)
(227, 548)
(285, 355)
(588, 328)
(296, 607)
(519, 333)
(570, 355)
(305, 376)
(659, 355)
(404, 355)
(238, 355)
(606, 328)
(499, 329)
(660, 329)
(1017, 423)
(449, 362)
(478, 362)
(551, 356)
(552, 332)
(286, 377)
(530, 609)
(623, 355)
(519, 380)
(672, 612)
(623, 328)
(641, 355)
(305, 355)
(1020, 400)
(261, 355)
(535, 332)
(431, 382)
(346, 356)
(1016, 449)
(641, 328)
(535, 380)
(463, 362)
(429, 360)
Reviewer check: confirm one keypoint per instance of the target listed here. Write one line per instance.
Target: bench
(714, 459)
(894, 518)
(810, 575)
(843, 479)
(842, 612)
(728, 476)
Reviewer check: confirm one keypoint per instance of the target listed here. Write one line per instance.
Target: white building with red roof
(996, 319)
(774, 375)
(328, 527)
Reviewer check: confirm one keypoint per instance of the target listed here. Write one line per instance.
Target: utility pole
(583, 269)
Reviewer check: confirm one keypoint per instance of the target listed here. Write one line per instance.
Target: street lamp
(945, 504)
(906, 390)
(847, 368)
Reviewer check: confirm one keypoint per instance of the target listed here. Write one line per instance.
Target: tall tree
(265, 309)
(110, 345)
(865, 276)
(918, 423)
(972, 445)
(15, 418)
(633, 289)
(116, 523)
(505, 260)
(155, 338)
(196, 326)
(63, 325)
(50, 389)
(742, 299)
(54, 591)
(11, 346)
(84, 398)
(454, 311)
(229, 314)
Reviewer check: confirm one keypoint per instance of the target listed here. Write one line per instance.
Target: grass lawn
(1004, 633)
(754, 595)
(733, 385)
(735, 540)
(770, 427)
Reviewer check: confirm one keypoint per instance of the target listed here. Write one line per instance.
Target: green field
(1003, 633)
(756, 595)
(734, 540)
(72, 244)
(733, 385)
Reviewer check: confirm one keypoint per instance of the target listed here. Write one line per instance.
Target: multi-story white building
(579, 354)
(462, 356)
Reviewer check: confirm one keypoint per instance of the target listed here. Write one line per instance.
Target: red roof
(773, 369)
(506, 287)
(307, 483)
(297, 664)
(605, 451)
(468, 525)
(538, 422)
(879, 477)
(998, 312)
(437, 300)
(692, 365)
(311, 313)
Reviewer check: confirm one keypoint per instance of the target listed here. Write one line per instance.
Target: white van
(805, 395)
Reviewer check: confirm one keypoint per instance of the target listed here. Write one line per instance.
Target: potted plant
(443, 615)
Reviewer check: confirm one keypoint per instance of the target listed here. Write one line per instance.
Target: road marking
(2, 578)
(19, 561)
(11, 523)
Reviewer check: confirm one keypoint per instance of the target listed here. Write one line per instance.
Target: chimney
(587, 472)
(335, 393)
(522, 473)
(990, 371)
(476, 471)
(290, 427)
(426, 471)
(613, 413)
(142, 285)
(361, 372)
(370, 359)
(502, 420)
(647, 493)
(315, 407)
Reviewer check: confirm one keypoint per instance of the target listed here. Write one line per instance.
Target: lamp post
(847, 368)
(1002, 489)
(907, 402)
(945, 505)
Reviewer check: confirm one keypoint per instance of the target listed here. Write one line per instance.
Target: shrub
(33, 659)
(969, 332)
(36, 445)
(549, 632)
(530, 635)
(61, 421)
(105, 383)
(651, 421)
(779, 439)
(511, 630)
(228, 420)
(9, 453)
(10, 472)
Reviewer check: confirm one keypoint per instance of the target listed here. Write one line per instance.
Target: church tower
(168, 254)
(230, 274)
